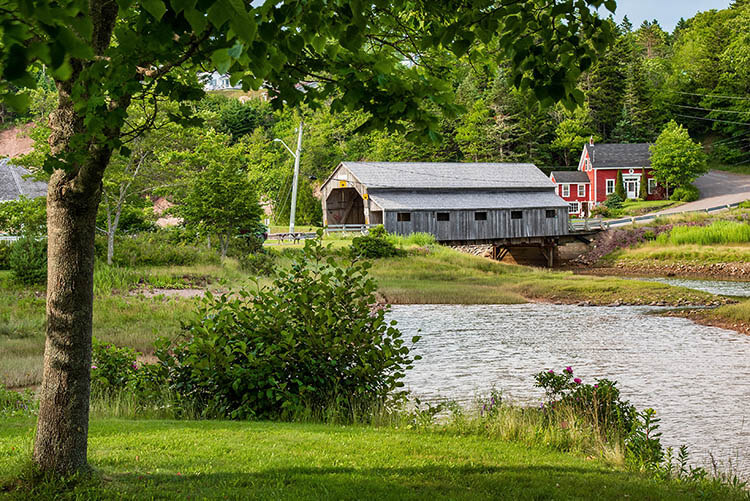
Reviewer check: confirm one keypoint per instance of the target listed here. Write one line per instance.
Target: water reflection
(697, 378)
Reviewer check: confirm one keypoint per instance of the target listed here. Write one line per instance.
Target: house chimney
(591, 140)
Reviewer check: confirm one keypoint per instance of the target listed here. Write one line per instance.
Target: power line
(731, 140)
(712, 95)
(713, 120)
(709, 109)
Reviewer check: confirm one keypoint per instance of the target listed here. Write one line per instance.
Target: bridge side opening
(345, 206)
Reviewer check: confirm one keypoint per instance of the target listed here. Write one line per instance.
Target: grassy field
(639, 207)
(140, 459)
(124, 316)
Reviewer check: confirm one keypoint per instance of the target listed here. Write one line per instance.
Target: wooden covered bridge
(510, 206)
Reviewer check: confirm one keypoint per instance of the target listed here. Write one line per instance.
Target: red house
(575, 188)
(599, 164)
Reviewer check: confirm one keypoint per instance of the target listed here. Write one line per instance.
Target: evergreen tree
(605, 85)
(643, 192)
(620, 186)
(637, 119)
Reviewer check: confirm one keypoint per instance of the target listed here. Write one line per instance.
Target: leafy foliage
(25, 215)
(308, 343)
(156, 249)
(112, 367)
(221, 201)
(686, 193)
(259, 263)
(28, 260)
(676, 159)
(5, 248)
(372, 247)
(614, 201)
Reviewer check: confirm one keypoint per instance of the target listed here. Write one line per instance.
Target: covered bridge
(499, 203)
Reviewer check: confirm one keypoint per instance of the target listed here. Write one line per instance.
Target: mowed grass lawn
(257, 460)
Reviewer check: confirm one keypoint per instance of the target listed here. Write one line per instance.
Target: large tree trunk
(62, 428)
(73, 196)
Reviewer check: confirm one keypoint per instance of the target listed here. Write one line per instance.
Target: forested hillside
(698, 75)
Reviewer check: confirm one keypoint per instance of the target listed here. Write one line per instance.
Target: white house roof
(14, 183)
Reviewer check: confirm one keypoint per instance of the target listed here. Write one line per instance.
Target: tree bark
(62, 427)
(73, 195)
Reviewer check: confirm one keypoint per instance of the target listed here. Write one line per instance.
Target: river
(723, 287)
(696, 377)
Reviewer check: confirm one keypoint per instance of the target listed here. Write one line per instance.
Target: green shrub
(378, 232)
(260, 263)
(28, 260)
(25, 215)
(369, 247)
(244, 245)
(132, 220)
(649, 235)
(308, 345)
(687, 193)
(601, 211)
(418, 238)
(152, 249)
(5, 248)
(614, 201)
(111, 367)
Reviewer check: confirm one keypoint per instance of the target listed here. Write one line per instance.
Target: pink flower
(577, 380)
(94, 367)
(569, 370)
(596, 386)
(550, 371)
(135, 366)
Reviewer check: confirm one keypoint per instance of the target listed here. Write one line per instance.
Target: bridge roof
(458, 200)
(448, 175)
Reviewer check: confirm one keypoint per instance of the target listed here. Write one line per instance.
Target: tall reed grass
(419, 239)
(719, 232)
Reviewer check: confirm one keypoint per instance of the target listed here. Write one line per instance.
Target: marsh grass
(693, 254)
(446, 276)
(719, 232)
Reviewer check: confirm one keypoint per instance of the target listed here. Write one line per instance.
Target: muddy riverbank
(716, 271)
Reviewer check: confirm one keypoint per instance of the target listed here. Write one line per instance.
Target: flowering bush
(599, 403)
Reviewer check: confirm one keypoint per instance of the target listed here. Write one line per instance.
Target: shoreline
(730, 272)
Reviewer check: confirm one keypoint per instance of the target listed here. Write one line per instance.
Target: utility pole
(295, 180)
